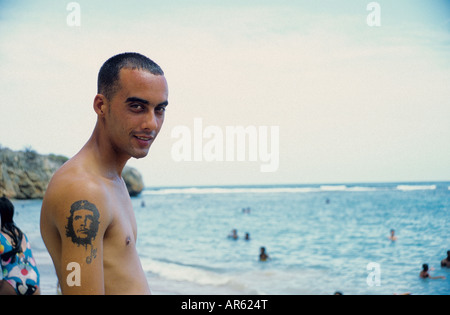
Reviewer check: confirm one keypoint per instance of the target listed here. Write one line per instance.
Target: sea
(321, 239)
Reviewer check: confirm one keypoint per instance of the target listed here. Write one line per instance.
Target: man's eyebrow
(138, 100)
(163, 103)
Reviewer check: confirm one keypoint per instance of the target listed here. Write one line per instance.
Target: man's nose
(150, 122)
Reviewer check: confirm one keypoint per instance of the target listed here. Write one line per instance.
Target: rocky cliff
(26, 174)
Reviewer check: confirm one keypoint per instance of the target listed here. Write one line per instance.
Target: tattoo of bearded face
(82, 226)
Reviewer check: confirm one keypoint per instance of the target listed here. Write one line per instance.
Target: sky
(352, 102)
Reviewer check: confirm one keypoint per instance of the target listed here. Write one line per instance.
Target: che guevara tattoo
(82, 226)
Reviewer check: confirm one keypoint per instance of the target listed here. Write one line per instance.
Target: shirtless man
(87, 216)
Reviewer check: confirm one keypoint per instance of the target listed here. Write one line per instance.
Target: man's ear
(100, 105)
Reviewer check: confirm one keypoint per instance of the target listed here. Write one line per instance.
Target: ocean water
(320, 239)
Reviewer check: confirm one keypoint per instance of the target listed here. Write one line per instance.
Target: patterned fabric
(21, 273)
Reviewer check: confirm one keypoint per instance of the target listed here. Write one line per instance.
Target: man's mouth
(144, 138)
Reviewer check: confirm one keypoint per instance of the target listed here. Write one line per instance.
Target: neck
(110, 162)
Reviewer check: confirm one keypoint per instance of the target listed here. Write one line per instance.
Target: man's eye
(137, 107)
(160, 109)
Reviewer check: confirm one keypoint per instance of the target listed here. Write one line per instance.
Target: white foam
(333, 187)
(253, 281)
(415, 187)
(194, 191)
(287, 190)
(178, 272)
(256, 190)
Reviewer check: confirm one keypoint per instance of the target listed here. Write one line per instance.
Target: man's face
(82, 223)
(136, 112)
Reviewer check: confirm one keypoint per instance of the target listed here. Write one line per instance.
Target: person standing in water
(392, 237)
(263, 255)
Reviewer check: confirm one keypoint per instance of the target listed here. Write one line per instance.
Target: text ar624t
(235, 304)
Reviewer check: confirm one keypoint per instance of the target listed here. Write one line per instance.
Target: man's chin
(141, 154)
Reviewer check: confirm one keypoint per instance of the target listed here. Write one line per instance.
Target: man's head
(108, 76)
(131, 102)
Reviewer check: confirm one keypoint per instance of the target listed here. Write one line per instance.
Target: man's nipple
(128, 240)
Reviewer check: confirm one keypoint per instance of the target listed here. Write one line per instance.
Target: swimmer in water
(263, 255)
(392, 237)
(425, 275)
(233, 235)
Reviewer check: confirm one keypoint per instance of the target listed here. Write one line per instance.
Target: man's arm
(81, 222)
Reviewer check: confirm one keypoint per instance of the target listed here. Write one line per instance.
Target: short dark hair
(108, 76)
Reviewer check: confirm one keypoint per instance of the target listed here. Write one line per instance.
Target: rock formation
(133, 180)
(26, 174)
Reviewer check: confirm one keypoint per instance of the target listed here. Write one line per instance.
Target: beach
(320, 239)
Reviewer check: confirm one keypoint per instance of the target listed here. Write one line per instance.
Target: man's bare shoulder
(72, 173)
(70, 178)
(72, 183)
